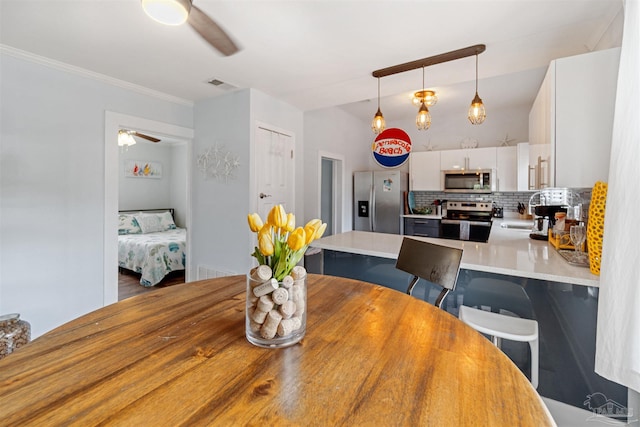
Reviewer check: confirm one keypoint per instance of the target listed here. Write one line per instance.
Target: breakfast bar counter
(509, 251)
(179, 356)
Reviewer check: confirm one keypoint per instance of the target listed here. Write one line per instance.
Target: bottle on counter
(559, 225)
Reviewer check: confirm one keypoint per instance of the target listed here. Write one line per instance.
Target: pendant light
(477, 112)
(423, 119)
(377, 125)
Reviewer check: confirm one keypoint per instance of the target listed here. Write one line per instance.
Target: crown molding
(51, 63)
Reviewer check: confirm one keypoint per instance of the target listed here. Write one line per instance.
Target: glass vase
(276, 311)
(14, 333)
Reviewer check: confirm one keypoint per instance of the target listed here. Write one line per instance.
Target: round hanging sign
(391, 148)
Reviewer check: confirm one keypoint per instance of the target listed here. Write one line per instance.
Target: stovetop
(464, 210)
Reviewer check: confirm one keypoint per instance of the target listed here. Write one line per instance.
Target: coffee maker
(545, 204)
(543, 220)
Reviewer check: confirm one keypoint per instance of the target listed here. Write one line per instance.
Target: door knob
(262, 195)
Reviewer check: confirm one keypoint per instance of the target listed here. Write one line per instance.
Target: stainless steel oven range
(467, 220)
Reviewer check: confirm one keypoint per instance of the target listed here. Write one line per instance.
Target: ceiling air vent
(221, 85)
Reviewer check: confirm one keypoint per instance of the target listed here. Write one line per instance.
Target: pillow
(149, 223)
(166, 221)
(152, 222)
(128, 224)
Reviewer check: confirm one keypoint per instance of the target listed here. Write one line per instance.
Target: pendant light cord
(476, 73)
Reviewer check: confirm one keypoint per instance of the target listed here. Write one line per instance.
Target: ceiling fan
(125, 137)
(176, 12)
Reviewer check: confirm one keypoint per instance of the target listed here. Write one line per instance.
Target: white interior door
(274, 171)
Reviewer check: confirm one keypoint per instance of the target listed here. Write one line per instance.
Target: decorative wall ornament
(428, 146)
(469, 143)
(506, 141)
(218, 163)
(142, 169)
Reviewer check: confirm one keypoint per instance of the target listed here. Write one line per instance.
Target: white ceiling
(317, 54)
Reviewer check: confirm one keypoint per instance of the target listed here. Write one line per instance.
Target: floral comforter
(154, 255)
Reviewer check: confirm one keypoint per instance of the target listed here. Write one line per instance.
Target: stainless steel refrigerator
(378, 200)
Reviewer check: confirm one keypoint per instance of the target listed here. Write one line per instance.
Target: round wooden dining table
(179, 356)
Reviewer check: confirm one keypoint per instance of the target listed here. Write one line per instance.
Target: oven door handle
(458, 221)
(450, 221)
(481, 223)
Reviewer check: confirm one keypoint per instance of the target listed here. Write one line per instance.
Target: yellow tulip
(255, 222)
(277, 216)
(265, 244)
(311, 228)
(291, 222)
(297, 239)
(320, 231)
(315, 223)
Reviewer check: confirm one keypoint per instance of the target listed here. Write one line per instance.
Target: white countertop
(508, 251)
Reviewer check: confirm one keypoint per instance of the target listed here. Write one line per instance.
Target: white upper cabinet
(507, 168)
(472, 158)
(523, 166)
(572, 120)
(424, 171)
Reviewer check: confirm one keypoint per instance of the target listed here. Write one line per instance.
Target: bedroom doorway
(153, 175)
(175, 136)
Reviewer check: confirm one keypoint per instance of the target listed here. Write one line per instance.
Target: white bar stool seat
(507, 327)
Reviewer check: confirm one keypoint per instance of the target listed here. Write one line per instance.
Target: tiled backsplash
(507, 200)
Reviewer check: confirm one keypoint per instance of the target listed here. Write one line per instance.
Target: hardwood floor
(129, 283)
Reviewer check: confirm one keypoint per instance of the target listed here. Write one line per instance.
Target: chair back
(435, 263)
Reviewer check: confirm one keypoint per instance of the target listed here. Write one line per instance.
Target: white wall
(223, 240)
(333, 131)
(447, 132)
(179, 197)
(219, 209)
(145, 193)
(52, 187)
(169, 191)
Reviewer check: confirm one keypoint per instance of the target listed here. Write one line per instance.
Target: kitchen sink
(515, 226)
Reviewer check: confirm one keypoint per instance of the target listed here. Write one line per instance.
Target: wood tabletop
(179, 356)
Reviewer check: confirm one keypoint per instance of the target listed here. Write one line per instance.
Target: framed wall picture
(142, 169)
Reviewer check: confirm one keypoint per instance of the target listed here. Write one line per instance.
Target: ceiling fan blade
(211, 32)
(147, 137)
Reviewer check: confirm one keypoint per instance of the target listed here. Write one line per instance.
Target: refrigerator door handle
(372, 209)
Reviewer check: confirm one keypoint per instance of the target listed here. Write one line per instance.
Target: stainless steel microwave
(468, 181)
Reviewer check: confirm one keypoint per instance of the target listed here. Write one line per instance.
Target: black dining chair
(435, 263)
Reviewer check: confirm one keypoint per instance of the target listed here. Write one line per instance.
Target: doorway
(114, 122)
(331, 171)
(275, 172)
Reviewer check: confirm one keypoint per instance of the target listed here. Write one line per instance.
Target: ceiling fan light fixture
(125, 139)
(168, 12)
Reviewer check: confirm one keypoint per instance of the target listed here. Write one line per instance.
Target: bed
(149, 243)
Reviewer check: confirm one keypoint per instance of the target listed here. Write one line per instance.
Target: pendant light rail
(432, 60)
